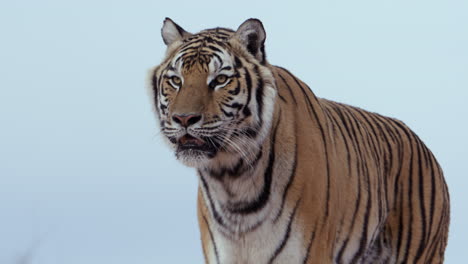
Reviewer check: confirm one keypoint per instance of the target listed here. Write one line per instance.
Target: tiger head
(214, 93)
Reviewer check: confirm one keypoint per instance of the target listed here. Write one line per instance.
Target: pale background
(84, 177)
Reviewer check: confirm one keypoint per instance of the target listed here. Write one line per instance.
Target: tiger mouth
(189, 142)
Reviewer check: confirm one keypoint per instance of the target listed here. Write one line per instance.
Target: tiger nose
(186, 120)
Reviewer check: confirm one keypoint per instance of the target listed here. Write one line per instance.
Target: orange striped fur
(285, 176)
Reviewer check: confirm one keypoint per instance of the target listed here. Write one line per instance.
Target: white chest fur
(264, 245)
(270, 234)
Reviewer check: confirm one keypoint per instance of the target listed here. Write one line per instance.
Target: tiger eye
(176, 80)
(220, 79)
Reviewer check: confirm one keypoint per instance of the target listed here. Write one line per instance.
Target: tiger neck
(238, 196)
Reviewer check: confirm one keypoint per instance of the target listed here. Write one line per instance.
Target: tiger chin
(285, 176)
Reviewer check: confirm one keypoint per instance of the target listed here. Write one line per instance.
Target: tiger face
(214, 94)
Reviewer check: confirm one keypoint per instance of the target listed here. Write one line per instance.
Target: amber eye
(176, 80)
(220, 79)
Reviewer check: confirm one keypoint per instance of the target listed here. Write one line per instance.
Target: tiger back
(285, 176)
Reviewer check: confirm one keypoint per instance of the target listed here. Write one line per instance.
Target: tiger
(283, 175)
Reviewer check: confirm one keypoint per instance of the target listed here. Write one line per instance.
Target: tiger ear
(171, 32)
(252, 35)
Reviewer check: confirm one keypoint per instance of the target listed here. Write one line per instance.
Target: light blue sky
(84, 177)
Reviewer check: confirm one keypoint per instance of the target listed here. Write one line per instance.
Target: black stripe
(238, 170)
(400, 228)
(178, 59)
(306, 257)
(216, 49)
(263, 197)
(286, 234)
(251, 132)
(410, 194)
(217, 56)
(248, 81)
(282, 98)
(259, 95)
(228, 114)
(339, 256)
(375, 150)
(345, 140)
(212, 239)
(211, 40)
(215, 213)
(190, 46)
(410, 203)
(289, 183)
(287, 86)
(234, 105)
(155, 90)
(400, 162)
(440, 227)
(349, 128)
(223, 31)
(373, 138)
(423, 240)
(432, 193)
(388, 156)
(237, 62)
(324, 140)
(163, 109)
(365, 172)
(339, 123)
